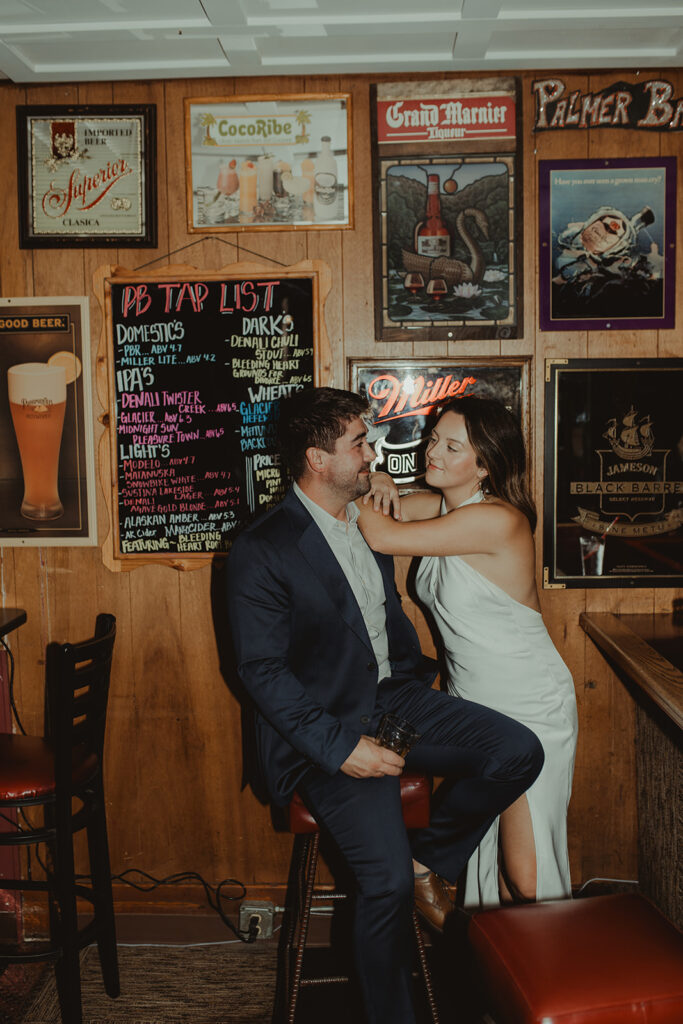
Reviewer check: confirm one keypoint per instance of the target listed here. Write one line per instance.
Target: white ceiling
(89, 40)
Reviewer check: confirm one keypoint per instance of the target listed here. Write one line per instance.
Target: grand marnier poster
(614, 473)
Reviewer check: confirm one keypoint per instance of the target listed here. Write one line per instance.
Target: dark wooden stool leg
(100, 871)
(424, 970)
(304, 895)
(67, 967)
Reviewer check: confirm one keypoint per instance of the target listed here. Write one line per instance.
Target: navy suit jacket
(303, 651)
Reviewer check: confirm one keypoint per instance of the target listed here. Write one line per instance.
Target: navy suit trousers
(486, 759)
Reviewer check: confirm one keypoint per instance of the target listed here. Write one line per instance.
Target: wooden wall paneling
(561, 608)
(357, 245)
(669, 342)
(15, 266)
(34, 580)
(174, 748)
(15, 263)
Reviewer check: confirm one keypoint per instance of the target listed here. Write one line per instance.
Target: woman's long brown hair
(496, 437)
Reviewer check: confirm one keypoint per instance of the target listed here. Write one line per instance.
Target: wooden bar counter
(646, 653)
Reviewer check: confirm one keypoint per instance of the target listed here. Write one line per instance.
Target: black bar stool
(301, 892)
(50, 772)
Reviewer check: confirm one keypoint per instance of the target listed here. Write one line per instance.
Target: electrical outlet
(257, 914)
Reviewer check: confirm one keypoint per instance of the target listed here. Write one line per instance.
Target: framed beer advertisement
(404, 394)
(613, 503)
(447, 203)
(274, 162)
(87, 176)
(607, 247)
(47, 461)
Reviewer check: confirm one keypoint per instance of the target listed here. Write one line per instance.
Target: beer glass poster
(268, 161)
(614, 473)
(47, 466)
(86, 176)
(404, 396)
(607, 244)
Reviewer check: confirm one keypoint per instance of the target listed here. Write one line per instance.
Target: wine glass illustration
(413, 282)
(437, 288)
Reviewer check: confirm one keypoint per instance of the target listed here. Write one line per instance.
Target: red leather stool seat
(27, 767)
(598, 960)
(416, 791)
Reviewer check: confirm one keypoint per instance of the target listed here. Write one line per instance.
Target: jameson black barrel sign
(199, 366)
(614, 472)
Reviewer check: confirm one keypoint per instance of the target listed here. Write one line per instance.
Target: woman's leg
(518, 854)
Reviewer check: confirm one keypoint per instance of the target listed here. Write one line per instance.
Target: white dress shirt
(358, 564)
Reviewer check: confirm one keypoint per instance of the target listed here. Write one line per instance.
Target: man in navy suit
(324, 650)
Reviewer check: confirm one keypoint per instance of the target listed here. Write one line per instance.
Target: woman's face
(451, 459)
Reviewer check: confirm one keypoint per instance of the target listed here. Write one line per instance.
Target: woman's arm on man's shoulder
(383, 496)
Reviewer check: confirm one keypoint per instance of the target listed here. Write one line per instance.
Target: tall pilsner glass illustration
(37, 397)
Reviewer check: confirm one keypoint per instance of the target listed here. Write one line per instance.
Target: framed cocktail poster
(607, 248)
(47, 462)
(405, 394)
(473, 284)
(447, 209)
(613, 473)
(87, 176)
(270, 162)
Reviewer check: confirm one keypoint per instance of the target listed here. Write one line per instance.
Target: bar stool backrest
(76, 695)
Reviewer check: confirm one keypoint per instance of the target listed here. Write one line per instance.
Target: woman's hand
(384, 495)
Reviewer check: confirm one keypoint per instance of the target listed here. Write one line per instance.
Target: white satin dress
(498, 653)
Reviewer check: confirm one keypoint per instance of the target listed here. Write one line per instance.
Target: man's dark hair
(315, 418)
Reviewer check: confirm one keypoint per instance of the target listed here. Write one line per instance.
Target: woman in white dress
(477, 577)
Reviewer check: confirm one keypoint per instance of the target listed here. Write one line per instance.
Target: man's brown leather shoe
(432, 900)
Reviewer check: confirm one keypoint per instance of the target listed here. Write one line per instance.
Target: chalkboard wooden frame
(106, 281)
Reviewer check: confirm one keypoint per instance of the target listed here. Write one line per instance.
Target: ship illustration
(634, 440)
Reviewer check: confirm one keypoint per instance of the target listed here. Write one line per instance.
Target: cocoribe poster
(198, 364)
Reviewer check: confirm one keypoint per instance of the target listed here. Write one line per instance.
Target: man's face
(347, 468)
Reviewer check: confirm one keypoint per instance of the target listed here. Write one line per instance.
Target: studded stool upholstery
(598, 960)
(415, 801)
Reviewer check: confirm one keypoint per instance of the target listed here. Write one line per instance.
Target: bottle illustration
(248, 179)
(308, 172)
(264, 165)
(432, 237)
(325, 189)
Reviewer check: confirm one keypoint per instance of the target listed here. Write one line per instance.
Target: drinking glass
(414, 283)
(592, 555)
(37, 399)
(396, 734)
(437, 288)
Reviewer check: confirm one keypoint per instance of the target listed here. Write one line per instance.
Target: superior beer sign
(86, 175)
(444, 119)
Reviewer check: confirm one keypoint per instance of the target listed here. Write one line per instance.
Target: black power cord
(10, 687)
(215, 896)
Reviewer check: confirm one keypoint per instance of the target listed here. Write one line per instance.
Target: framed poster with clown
(607, 244)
